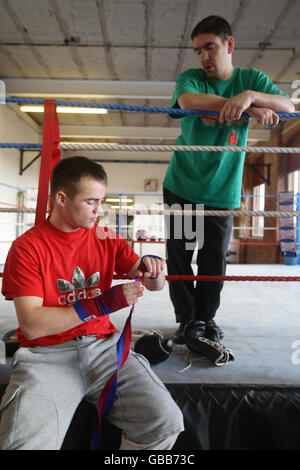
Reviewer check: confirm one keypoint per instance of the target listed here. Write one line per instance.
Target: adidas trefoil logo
(78, 283)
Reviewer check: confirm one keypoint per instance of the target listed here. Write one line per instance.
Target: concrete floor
(261, 322)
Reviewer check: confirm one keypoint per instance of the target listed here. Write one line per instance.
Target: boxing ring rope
(51, 148)
(173, 277)
(122, 107)
(158, 148)
(216, 213)
(171, 148)
(219, 278)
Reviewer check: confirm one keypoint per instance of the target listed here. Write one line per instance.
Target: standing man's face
(215, 56)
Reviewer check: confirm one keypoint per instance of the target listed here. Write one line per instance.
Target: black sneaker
(213, 331)
(178, 335)
(192, 331)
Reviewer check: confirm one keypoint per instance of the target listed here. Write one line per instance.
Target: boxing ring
(251, 403)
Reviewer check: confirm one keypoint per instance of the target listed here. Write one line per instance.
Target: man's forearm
(277, 103)
(55, 320)
(201, 101)
(44, 321)
(208, 102)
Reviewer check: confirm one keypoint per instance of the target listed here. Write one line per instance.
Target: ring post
(50, 156)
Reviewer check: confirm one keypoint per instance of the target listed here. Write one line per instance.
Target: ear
(60, 198)
(230, 44)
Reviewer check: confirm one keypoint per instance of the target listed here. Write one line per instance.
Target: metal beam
(96, 89)
(131, 132)
(122, 155)
(88, 89)
(256, 135)
(112, 132)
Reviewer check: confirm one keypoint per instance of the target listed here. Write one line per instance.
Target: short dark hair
(67, 173)
(214, 25)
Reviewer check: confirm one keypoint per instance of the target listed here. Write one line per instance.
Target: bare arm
(201, 101)
(278, 103)
(249, 101)
(36, 320)
(232, 108)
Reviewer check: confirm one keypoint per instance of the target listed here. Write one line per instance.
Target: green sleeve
(262, 83)
(188, 82)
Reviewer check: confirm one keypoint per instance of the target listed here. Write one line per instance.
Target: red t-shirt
(61, 267)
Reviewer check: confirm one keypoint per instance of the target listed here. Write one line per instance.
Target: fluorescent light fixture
(63, 109)
(122, 207)
(295, 100)
(89, 143)
(116, 199)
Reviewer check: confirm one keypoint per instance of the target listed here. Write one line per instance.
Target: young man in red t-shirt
(59, 276)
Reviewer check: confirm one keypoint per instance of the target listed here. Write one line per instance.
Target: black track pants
(200, 300)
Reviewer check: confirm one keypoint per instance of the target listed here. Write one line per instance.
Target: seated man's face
(83, 209)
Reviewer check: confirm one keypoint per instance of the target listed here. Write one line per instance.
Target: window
(258, 205)
(294, 181)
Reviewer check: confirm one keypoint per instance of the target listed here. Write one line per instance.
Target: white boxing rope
(17, 210)
(130, 212)
(215, 213)
(172, 148)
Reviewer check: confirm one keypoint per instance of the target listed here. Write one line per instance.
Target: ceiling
(130, 52)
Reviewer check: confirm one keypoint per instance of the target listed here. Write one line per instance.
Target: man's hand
(132, 291)
(154, 267)
(150, 273)
(235, 106)
(264, 116)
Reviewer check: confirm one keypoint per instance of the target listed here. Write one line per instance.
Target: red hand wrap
(111, 300)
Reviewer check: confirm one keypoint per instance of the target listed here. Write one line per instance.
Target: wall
(291, 137)
(14, 128)
(285, 135)
(129, 177)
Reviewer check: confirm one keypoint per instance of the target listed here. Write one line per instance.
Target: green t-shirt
(212, 178)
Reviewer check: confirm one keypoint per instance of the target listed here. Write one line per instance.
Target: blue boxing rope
(121, 107)
(7, 145)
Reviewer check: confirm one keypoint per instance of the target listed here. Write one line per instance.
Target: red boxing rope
(225, 278)
(220, 278)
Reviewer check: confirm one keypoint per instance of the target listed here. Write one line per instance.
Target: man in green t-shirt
(211, 179)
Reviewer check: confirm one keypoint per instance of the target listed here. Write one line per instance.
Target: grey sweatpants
(48, 382)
